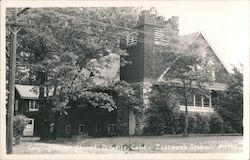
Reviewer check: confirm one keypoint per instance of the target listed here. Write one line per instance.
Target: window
(33, 105)
(190, 101)
(159, 39)
(132, 39)
(197, 101)
(68, 129)
(81, 128)
(98, 130)
(205, 102)
(111, 129)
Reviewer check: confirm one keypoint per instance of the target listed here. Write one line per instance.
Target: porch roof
(30, 91)
(27, 91)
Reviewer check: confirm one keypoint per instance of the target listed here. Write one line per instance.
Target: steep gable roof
(187, 40)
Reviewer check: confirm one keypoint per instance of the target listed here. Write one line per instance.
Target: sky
(224, 23)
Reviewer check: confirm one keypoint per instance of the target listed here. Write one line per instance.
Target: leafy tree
(57, 52)
(231, 102)
(124, 96)
(163, 105)
(188, 75)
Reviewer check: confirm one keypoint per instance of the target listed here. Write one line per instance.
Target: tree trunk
(55, 129)
(185, 134)
(43, 109)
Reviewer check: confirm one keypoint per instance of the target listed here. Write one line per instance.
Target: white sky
(224, 23)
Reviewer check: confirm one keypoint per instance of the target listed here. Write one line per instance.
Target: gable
(220, 71)
(217, 68)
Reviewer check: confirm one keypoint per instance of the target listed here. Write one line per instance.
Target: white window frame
(159, 40)
(33, 105)
(199, 108)
(131, 39)
(79, 129)
(67, 131)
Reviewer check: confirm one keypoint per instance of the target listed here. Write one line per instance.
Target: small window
(98, 130)
(68, 129)
(132, 39)
(111, 129)
(81, 129)
(33, 105)
(213, 75)
(198, 101)
(205, 102)
(190, 101)
(159, 38)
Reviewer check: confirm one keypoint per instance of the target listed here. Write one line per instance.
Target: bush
(199, 123)
(216, 124)
(19, 123)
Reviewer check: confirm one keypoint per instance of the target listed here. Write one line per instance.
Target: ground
(143, 144)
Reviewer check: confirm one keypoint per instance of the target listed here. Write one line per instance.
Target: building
(148, 66)
(78, 120)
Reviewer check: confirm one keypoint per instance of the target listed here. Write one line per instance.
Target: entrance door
(29, 129)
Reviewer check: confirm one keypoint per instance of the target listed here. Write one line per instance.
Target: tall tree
(230, 107)
(60, 46)
(188, 75)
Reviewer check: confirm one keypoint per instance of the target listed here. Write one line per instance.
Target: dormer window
(159, 39)
(132, 39)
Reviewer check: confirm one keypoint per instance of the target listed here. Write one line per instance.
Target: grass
(142, 144)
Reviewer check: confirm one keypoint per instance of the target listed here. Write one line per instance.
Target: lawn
(143, 144)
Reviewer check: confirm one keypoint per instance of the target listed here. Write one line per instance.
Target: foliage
(19, 123)
(164, 116)
(124, 96)
(188, 74)
(57, 52)
(198, 124)
(216, 124)
(231, 103)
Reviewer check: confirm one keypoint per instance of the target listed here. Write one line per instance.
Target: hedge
(19, 123)
(199, 123)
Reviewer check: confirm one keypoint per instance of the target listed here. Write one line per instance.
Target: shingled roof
(187, 40)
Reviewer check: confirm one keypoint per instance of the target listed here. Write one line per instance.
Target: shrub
(202, 123)
(216, 124)
(199, 123)
(154, 126)
(19, 123)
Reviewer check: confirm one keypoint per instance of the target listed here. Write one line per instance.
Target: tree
(163, 105)
(124, 96)
(59, 48)
(188, 75)
(231, 102)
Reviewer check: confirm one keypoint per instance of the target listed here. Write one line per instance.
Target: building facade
(151, 34)
(150, 65)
